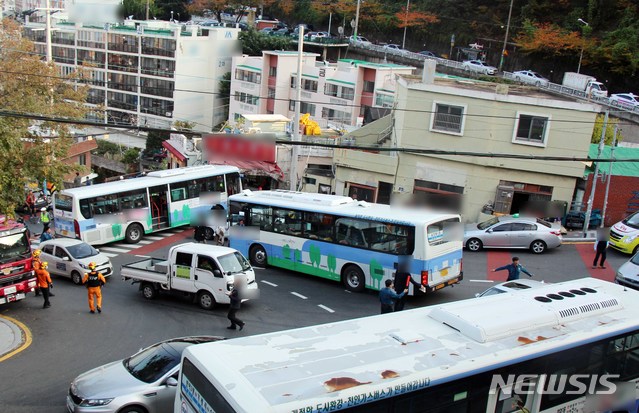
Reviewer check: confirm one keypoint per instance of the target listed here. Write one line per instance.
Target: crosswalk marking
(114, 249)
(110, 255)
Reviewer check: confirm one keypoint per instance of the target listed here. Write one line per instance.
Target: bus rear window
(63, 202)
(444, 231)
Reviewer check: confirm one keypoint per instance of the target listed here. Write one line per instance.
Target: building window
(531, 129)
(369, 87)
(347, 93)
(271, 93)
(384, 101)
(305, 107)
(82, 159)
(248, 76)
(272, 71)
(330, 89)
(333, 115)
(246, 98)
(448, 118)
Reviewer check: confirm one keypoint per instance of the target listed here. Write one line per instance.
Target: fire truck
(17, 277)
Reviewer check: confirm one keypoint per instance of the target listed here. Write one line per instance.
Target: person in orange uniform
(44, 282)
(36, 263)
(94, 281)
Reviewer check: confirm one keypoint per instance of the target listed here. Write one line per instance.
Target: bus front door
(159, 207)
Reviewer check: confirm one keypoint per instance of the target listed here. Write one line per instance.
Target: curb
(17, 333)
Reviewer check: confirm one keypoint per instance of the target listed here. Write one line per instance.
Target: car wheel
(538, 246)
(134, 233)
(133, 409)
(206, 300)
(538, 83)
(354, 279)
(76, 278)
(474, 245)
(208, 233)
(257, 255)
(517, 79)
(149, 292)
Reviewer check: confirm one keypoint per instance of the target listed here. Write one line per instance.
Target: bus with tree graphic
(353, 242)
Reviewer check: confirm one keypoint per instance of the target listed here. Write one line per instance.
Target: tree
(225, 93)
(31, 151)
(137, 9)
(610, 130)
(253, 42)
(549, 39)
(154, 142)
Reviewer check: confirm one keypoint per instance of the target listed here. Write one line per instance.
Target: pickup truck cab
(206, 272)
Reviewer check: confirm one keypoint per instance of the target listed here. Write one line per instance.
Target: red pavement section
(497, 259)
(587, 254)
(164, 242)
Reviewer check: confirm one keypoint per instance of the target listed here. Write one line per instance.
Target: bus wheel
(257, 255)
(354, 279)
(134, 233)
(205, 300)
(149, 292)
(474, 244)
(76, 278)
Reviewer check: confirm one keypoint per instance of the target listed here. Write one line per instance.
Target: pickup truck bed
(149, 269)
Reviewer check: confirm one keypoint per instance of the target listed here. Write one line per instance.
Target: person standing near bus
(600, 248)
(45, 219)
(514, 270)
(236, 303)
(403, 279)
(388, 296)
(44, 283)
(94, 281)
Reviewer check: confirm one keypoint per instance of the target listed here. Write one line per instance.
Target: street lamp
(581, 55)
(356, 22)
(405, 24)
(503, 50)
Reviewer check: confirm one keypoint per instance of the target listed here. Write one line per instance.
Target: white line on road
(299, 295)
(145, 242)
(269, 283)
(326, 308)
(143, 256)
(481, 281)
(113, 249)
(110, 255)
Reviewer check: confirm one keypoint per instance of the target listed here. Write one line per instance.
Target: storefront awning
(262, 168)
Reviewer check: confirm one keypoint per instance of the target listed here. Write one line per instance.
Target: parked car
(511, 286)
(320, 35)
(575, 219)
(267, 30)
(428, 54)
(512, 232)
(479, 67)
(394, 48)
(628, 273)
(360, 40)
(625, 100)
(281, 32)
(144, 382)
(70, 258)
(530, 77)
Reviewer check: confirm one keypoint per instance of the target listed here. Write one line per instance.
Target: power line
(330, 145)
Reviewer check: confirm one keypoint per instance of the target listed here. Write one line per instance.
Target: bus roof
(150, 179)
(341, 205)
(312, 366)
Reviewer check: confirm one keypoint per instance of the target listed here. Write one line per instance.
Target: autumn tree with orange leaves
(550, 39)
(414, 18)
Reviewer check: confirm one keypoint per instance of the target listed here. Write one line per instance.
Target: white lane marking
(113, 249)
(326, 308)
(145, 242)
(299, 295)
(481, 281)
(269, 283)
(143, 256)
(110, 255)
(156, 237)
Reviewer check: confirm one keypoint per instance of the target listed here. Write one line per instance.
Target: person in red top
(44, 282)
(94, 281)
(31, 203)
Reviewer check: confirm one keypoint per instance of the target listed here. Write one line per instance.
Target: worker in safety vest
(44, 283)
(45, 218)
(94, 281)
(36, 263)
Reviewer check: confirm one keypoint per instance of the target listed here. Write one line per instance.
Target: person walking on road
(514, 270)
(94, 281)
(387, 297)
(46, 235)
(44, 282)
(31, 205)
(236, 303)
(600, 247)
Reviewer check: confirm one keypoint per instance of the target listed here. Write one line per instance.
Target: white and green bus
(127, 209)
(354, 242)
(565, 347)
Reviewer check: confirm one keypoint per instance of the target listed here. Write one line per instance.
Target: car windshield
(635, 259)
(14, 246)
(489, 223)
(233, 263)
(154, 362)
(632, 220)
(82, 250)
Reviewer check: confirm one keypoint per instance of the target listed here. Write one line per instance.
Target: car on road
(281, 32)
(512, 232)
(70, 258)
(628, 273)
(624, 100)
(511, 286)
(428, 54)
(361, 40)
(267, 30)
(144, 382)
(393, 48)
(530, 77)
(479, 67)
(320, 35)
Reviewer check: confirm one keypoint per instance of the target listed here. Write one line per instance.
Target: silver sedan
(512, 232)
(144, 382)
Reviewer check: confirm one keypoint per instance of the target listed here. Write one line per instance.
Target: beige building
(460, 115)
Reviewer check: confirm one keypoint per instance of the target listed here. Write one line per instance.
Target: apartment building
(474, 119)
(145, 73)
(336, 94)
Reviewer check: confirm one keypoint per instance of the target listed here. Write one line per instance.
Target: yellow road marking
(27, 338)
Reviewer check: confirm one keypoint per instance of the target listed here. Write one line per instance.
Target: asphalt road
(68, 340)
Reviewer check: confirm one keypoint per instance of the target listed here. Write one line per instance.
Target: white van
(624, 235)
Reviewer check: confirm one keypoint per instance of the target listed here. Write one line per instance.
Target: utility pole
(503, 50)
(47, 11)
(356, 21)
(612, 151)
(405, 24)
(147, 9)
(296, 118)
(594, 179)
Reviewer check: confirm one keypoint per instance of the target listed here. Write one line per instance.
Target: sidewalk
(11, 336)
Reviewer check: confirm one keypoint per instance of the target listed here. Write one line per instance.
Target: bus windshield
(14, 246)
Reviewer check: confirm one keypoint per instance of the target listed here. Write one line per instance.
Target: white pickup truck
(206, 272)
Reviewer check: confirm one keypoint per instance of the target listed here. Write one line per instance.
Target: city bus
(566, 347)
(127, 209)
(354, 242)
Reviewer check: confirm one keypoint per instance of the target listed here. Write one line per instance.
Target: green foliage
(610, 130)
(253, 42)
(183, 125)
(131, 156)
(154, 141)
(106, 147)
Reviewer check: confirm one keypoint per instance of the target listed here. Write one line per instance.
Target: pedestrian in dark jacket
(387, 297)
(514, 270)
(402, 280)
(236, 302)
(600, 248)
